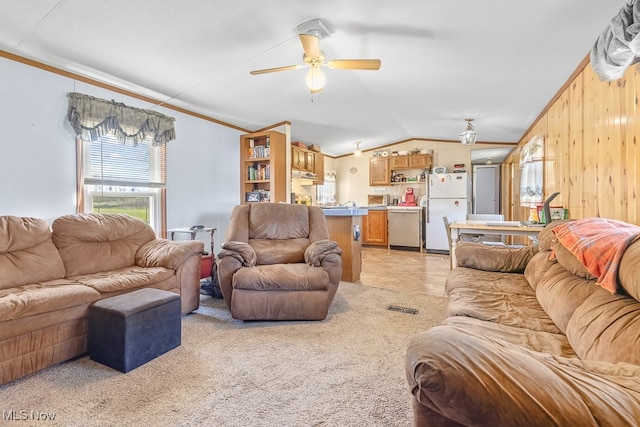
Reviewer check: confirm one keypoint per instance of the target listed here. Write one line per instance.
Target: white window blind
(124, 178)
(111, 163)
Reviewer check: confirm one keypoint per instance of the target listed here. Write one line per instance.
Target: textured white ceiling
(497, 61)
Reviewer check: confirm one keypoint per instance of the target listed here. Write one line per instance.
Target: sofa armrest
(502, 259)
(167, 253)
(241, 251)
(477, 381)
(316, 251)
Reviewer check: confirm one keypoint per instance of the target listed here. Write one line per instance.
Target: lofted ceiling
(496, 61)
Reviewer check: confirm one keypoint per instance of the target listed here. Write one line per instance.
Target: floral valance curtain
(92, 118)
(531, 158)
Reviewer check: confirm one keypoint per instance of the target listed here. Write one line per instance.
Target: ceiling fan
(310, 33)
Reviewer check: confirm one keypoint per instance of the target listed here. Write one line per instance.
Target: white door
(448, 185)
(486, 189)
(437, 238)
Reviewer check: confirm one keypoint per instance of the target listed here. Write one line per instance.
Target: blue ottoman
(131, 329)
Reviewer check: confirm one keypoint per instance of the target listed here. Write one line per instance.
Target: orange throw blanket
(598, 244)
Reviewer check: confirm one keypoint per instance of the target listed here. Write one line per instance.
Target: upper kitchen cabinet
(308, 161)
(298, 158)
(411, 161)
(379, 171)
(399, 162)
(319, 168)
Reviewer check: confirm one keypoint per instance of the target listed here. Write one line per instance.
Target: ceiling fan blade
(355, 64)
(310, 45)
(273, 70)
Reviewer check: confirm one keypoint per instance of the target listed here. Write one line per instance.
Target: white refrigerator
(447, 195)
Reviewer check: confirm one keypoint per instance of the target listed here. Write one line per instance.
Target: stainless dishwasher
(405, 227)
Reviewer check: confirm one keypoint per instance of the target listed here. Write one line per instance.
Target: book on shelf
(261, 172)
(259, 152)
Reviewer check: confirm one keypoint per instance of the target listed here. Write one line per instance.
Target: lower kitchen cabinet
(374, 228)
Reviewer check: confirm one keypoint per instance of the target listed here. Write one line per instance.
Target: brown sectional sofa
(50, 275)
(530, 340)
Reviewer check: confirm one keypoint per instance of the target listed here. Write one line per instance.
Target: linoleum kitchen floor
(401, 270)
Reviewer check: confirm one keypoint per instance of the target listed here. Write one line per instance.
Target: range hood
(297, 174)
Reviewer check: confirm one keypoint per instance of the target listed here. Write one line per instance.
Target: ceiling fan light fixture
(315, 79)
(469, 135)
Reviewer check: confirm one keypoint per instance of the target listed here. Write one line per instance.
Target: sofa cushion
(503, 298)
(27, 253)
(494, 258)
(538, 267)
(546, 237)
(92, 243)
(544, 342)
(281, 277)
(124, 279)
(278, 221)
(55, 295)
(570, 262)
(606, 328)
(279, 251)
(560, 292)
(629, 271)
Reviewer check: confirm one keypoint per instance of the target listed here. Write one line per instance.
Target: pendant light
(357, 151)
(469, 135)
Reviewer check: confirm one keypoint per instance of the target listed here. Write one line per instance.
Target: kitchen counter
(344, 211)
(404, 207)
(345, 227)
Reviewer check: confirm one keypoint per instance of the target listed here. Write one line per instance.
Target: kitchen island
(345, 227)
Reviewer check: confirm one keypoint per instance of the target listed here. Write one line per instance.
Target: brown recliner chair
(278, 263)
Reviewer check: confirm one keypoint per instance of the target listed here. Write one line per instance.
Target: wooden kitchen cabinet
(298, 158)
(411, 161)
(399, 162)
(319, 168)
(379, 171)
(310, 163)
(419, 161)
(374, 228)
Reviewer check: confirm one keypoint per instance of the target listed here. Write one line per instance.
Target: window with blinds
(124, 178)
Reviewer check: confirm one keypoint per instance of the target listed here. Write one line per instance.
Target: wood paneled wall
(592, 158)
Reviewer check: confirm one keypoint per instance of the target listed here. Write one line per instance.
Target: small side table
(208, 266)
(192, 233)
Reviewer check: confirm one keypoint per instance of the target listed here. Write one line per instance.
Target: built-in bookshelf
(263, 167)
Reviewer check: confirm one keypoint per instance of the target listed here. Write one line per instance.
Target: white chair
(485, 238)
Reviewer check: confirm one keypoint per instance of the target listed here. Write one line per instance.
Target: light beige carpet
(347, 370)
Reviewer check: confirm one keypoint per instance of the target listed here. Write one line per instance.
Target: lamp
(315, 79)
(469, 135)
(357, 151)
